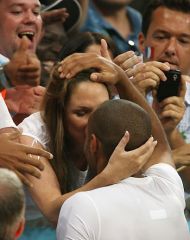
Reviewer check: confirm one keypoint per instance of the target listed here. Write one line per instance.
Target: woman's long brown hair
(57, 96)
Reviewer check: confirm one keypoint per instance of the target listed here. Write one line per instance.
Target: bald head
(113, 118)
(11, 203)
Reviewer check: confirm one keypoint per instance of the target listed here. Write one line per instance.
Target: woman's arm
(46, 190)
(17, 157)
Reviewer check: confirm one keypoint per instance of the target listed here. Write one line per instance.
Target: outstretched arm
(47, 187)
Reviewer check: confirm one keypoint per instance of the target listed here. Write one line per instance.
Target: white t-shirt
(149, 208)
(33, 126)
(5, 117)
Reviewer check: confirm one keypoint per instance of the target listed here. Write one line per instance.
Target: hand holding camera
(170, 105)
(170, 87)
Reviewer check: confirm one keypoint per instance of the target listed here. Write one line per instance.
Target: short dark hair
(12, 202)
(177, 5)
(112, 118)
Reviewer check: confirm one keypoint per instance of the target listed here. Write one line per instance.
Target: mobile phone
(171, 86)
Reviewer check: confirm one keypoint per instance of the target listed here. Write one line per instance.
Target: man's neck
(78, 159)
(118, 19)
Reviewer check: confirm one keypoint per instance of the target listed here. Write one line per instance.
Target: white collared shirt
(184, 125)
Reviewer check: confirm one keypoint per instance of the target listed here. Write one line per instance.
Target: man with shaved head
(146, 206)
(138, 125)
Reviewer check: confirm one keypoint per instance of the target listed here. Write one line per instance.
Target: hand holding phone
(171, 86)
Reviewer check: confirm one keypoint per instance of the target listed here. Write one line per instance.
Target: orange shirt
(3, 93)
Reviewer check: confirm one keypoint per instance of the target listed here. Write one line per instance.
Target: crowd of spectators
(82, 126)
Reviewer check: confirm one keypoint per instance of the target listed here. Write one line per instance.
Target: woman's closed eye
(82, 112)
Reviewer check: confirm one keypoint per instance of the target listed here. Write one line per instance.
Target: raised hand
(25, 100)
(171, 110)
(54, 15)
(127, 61)
(104, 49)
(107, 71)
(147, 76)
(24, 67)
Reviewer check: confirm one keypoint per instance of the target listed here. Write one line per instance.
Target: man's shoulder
(161, 167)
(77, 197)
(165, 173)
(135, 13)
(94, 22)
(135, 17)
(88, 199)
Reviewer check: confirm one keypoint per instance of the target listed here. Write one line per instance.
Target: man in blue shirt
(116, 20)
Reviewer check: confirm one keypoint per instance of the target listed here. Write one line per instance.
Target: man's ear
(97, 151)
(20, 228)
(93, 144)
(96, 148)
(141, 39)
